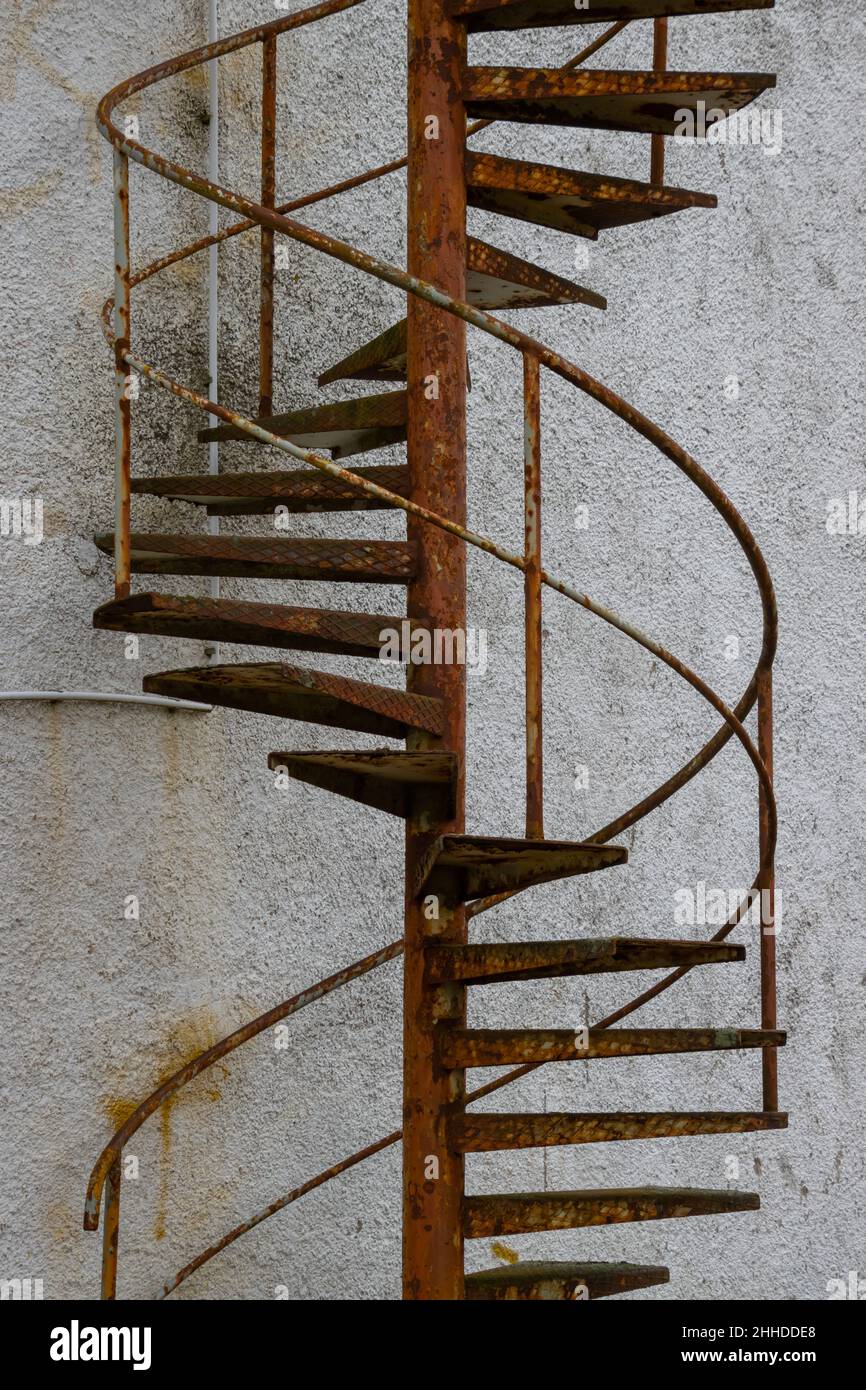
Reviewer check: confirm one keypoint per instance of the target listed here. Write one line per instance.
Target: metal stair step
(459, 868)
(257, 494)
(484, 1133)
(294, 692)
(500, 962)
(606, 99)
(481, 15)
(401, 784)
(567, 200)
(472, 1047)
(344, 427)
(383, 358)
(494, 280)
(561, 1280)
(258, 624)
(521, 1212)
(269, 557)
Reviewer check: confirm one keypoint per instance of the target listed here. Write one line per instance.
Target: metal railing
(271, 220)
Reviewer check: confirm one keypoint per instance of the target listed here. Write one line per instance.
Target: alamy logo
(854, 1287)
(846, 516)
(20, 1289)
(76, 1343)
(715, 127)
(441, 647)
(21, 518)
(704, 906)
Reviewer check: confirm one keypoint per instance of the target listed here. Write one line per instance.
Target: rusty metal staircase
(452, 280)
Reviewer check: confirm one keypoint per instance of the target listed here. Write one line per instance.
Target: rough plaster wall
(247, 894)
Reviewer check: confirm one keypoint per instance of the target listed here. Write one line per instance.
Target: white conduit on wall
(106, 698)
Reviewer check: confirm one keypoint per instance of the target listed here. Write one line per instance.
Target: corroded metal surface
(562, 1211)
(122, 393)
(494, 280)
(259, 624)
(498, 280)
(537, 960)
(439, 305)
(111, 1228)
(382, 359)
(602, 100)
(486, 1133)
(263, 557)
(660, 65)
(256, 494)
(295, 692)
(346, 427)
(560, 1280)
(269, 176)
(538, 14)
(566, 200)
(436, 247)
(767, 883)
(461, 867)
(386, 780)
(532, 616)
(493, 1047)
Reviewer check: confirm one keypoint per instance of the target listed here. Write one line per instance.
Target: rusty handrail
(321, 194)
(270, 220)
(115, 1146)
(499, 1082)
(706, 484)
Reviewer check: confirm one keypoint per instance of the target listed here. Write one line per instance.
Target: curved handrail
(256, 215)
(266, 217)
(343, 186)
(646, 427)
(115, 1146)
(396, 1135)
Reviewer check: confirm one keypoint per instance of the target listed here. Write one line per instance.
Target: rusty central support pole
(769, 1055)
(660, 64)
(122, 377)
(111, 1229)
(269, 184)
(532, 595)
(436, 443)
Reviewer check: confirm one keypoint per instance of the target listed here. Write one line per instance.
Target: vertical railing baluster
(269, 168)
(211, 647)
(122, 393)
(660, 64)
(111, 1229)
(769, 1055)
(532, 595)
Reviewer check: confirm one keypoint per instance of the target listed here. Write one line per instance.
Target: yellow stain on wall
(190, 1037)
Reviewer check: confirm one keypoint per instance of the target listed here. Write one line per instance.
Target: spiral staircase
(453, 280)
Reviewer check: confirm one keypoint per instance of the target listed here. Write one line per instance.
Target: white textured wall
(248, 894)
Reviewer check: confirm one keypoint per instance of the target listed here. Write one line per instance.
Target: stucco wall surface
(248, 893)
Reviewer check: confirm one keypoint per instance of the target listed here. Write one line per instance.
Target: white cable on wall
(106, 697)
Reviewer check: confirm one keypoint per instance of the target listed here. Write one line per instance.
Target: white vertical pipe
(212, 651)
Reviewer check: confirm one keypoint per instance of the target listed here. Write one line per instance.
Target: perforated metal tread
(267, 557)
(481, 15)
(653, 102)
(255, 494)
(569, 201)
(255, 624)
(293, 692)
